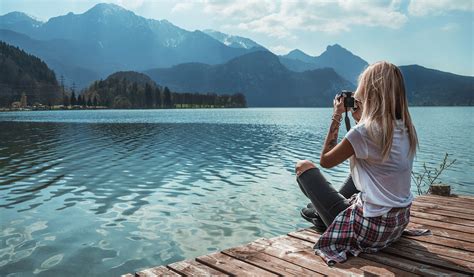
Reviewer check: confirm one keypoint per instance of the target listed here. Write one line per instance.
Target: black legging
(327, 201)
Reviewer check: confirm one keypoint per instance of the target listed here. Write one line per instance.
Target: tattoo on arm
(332, 144)
(331, 138)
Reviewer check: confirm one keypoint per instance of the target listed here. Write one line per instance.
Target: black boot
(311, 215)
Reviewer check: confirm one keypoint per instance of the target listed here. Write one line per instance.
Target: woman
(373, 207)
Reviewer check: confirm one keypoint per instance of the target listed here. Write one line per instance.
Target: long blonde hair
(381, 91)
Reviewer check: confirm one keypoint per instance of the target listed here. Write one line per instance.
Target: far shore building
(16, 105)
(23, 100)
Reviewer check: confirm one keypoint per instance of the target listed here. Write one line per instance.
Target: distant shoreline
(30, 109)
(179, 108)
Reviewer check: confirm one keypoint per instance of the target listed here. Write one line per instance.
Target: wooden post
(440, 189)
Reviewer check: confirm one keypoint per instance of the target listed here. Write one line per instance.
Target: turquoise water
(114, 191)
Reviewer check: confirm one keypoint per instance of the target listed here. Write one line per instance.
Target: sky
(437, 34)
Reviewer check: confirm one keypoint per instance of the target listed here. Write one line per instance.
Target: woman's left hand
(339, 105)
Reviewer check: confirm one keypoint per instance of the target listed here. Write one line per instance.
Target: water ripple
(145, 188)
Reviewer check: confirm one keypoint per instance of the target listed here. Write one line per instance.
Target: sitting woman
(373, 206)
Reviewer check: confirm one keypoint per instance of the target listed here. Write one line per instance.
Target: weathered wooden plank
(450, 203)
(468, 197)
(354, 265)
(437, 249)
(469, 217)
(459, 228)
(443, 218)
(156, 271)
(453, 200)
(445, 201)
(426, 203)
(308, 235)
(441, 232)
(437, 264)
(232, 266)
(300, 257)
(194, 268)
(433, 259)
(435, 199)
(447, 242)
(254, 255)
(409, 265)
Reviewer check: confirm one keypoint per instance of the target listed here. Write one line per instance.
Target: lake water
(114, 191)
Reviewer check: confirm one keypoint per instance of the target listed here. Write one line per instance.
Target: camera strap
(347, 121)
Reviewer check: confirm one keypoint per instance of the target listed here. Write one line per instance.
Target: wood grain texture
(156, 271)
(426, 210)
(192, 267)
(232, 266)
(252, 254)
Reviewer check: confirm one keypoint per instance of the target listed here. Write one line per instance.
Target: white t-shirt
(383, 185)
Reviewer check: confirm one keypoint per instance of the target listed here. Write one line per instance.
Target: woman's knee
(303, 165)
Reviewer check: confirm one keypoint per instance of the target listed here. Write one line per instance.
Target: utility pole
(61, 81)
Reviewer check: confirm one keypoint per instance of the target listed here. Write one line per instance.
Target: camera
(348, 98)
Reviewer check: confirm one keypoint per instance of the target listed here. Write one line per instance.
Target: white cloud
(450, 27)
(130, 4)
(243, 10)
(437, 7)
(282, 18)
(182, 6)
(279, 49)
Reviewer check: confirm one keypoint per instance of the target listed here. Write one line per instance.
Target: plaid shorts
(351, 232)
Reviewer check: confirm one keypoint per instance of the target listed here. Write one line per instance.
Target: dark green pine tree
(65, 100)
(238, 100)
(134, 97)
(73, 100)
(157, 98)
(80, 101)
(167, 95)
(176, 99)
(148, 96)
(96, 102)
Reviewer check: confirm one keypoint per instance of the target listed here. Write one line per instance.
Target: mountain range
(342, 60)
(260, 76)
(108, 38)
(233, 41)
(430, 87)
(269, 83)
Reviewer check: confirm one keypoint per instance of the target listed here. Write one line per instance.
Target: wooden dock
(448, 251)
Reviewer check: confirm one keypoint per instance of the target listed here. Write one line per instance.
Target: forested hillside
(133, 90)
(22, 73)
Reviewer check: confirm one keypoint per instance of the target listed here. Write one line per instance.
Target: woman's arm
(334, 153)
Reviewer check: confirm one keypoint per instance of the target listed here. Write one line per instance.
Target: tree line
(132, 90)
